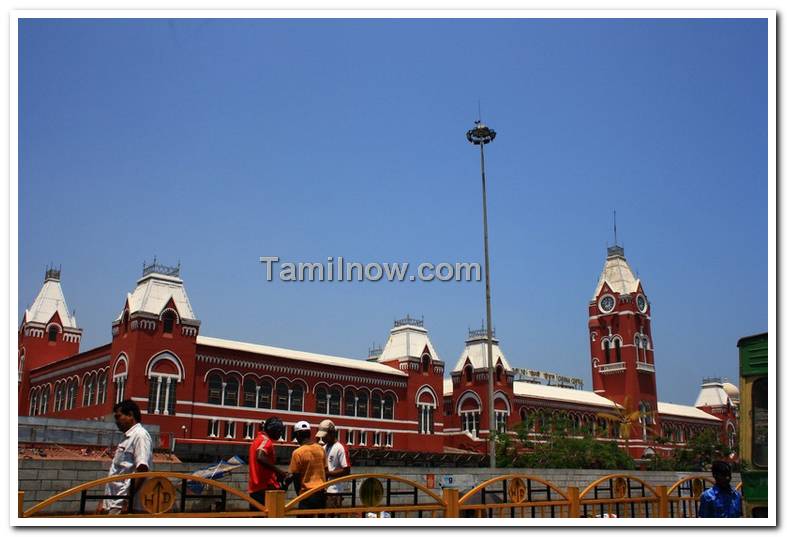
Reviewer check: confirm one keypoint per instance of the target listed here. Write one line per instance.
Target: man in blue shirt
(721, 500)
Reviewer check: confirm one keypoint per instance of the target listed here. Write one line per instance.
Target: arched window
(214, 389)
(33, 403)
(249, 393)
(334, 401)
(363, 404)
(501, 406)
(265, 394)
(388, 407)
(321, 396)
(52, 333)
(296, 398)
(60, 394)
(43, 405)
(231, 392)
(101, 388)
(470, 414)
(377, 404)
(425, 362)
(71, 394)
(468, 373)
(426, 405)
(168, 321)
(161, 394)
(617, 350)
(605, 346)
(731, 436)
(499, 373)
(601, 427)
(349, 402)
(87, 390)
(282, 396)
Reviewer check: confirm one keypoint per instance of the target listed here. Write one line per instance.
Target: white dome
(731, 390)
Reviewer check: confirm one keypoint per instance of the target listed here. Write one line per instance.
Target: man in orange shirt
(307, 467)
(263, 474)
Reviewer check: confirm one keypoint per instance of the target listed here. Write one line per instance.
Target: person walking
(263, 474)
(133, 454)
(338, 460)
(307, 467)
(721, 500)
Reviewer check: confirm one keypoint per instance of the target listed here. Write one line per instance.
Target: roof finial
(615, 225)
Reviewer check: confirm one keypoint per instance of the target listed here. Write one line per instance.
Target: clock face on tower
(606, 303)
(642, 304)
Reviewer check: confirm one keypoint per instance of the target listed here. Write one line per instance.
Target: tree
(700, 451)
(625, 416)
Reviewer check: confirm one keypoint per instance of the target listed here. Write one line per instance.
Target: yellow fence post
(663, 501)
(451, 497)
(274, 503)
(573, 502)
(21, 504)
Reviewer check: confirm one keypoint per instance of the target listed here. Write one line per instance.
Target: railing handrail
(141, 475)
(591, 486)
(351, 477)
(478, 488)
(682, 480)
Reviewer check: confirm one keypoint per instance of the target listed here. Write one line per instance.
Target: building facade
(204, 390)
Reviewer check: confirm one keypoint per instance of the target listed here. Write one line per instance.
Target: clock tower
(621, 345)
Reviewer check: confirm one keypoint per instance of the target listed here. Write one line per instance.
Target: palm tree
(625, 416)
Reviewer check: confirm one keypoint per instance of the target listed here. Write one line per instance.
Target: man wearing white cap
(307, 467)
(338, 460)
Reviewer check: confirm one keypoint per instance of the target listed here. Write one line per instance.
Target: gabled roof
(318, 359)
(716, 393)
(408, 341)
(685, 411)
(554, 393)
(154, 291)
(50, 300)
(476, 351)
(617, 273)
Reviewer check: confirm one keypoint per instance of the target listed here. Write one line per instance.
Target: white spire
(617, 273)
(476, 350)
(408, 339)
(50, 300)
(154, 290)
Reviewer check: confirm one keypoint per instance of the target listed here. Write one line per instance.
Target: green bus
(753, 425)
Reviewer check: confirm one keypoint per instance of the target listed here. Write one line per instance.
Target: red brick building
(207, 390)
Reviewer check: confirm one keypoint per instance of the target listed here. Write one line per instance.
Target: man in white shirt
(133, 454)
(338, 461)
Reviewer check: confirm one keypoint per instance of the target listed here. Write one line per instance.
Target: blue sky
(215, 142)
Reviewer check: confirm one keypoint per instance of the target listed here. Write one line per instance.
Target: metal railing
(367, 494)
(622, 496)
(136, 488)
(516, 496)
(506, 496)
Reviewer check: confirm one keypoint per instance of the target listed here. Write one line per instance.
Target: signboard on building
(552, 379)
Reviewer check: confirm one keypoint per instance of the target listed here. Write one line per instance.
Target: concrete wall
(41, 479)
(70, 432)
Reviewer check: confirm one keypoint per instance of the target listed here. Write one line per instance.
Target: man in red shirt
(263, 474)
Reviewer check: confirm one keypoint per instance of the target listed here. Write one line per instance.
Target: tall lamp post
(481, 135)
